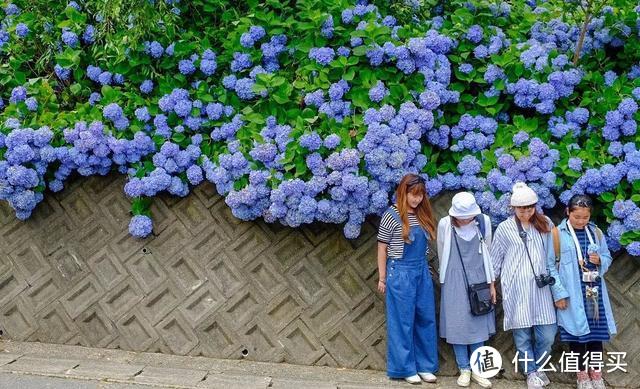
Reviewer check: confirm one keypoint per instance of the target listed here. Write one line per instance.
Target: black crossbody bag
(480, 293)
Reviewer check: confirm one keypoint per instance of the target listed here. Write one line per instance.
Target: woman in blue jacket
(584, 312)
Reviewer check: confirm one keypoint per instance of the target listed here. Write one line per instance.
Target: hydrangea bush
(313, 112)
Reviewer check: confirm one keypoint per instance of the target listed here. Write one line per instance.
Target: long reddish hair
(539, 222)
(414, 184)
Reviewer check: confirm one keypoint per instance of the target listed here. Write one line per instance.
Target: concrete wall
(208, 284)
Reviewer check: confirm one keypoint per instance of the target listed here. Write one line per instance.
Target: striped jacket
(524, 304)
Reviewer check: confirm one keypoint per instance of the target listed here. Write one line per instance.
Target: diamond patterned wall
(209, 284)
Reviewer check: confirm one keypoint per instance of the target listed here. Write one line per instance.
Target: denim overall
(412, 343)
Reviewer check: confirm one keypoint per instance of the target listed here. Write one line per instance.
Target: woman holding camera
(585, 318)
(521, 249)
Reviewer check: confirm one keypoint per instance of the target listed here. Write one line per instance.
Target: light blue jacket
(568, 278)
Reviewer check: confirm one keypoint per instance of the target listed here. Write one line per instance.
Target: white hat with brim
(464, 206)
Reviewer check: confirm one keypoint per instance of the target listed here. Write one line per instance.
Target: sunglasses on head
(582, 203)
(416, 180)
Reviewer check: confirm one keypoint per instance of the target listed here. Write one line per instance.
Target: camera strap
(523, 235)
(577, 242)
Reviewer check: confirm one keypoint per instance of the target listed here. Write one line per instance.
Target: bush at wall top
(313, 110)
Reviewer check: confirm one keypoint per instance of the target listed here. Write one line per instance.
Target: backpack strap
(481, 225)
(394, 214)
(556, 242)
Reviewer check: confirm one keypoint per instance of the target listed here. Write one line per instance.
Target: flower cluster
(474, 133)
(391, 146)
(571, 123)
(294, 138)
(335, 108)
(620, 121)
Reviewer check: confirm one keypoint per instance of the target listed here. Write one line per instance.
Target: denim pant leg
(401, 307)
(545, 336)
(523, 340)
(425, 331)
(462, 356)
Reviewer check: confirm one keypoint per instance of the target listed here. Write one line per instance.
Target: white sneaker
(465, 378)
(428, 377)
(534, 382)
(543, 377)
(413, 380)
(483, 382)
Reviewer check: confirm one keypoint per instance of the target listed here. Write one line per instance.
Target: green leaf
(75, 88)
(607, 197)
(178, 137)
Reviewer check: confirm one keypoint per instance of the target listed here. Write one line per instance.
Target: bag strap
(481, 225)
(523, 234)
(556, 242)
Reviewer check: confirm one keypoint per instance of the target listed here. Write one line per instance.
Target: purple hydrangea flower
(140, 226)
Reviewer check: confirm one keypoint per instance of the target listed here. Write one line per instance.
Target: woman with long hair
(521, 248)
(403, 236)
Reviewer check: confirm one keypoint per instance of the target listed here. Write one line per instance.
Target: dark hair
(579, 201)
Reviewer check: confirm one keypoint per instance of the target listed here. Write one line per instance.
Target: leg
(579, 349)
(595, 347)
(545, 335)
(462, 356)
(425, 332)
(474, 347)
(524, 347)
(400, 298)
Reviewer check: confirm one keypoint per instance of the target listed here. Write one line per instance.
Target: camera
(544, 279)
(590, 276)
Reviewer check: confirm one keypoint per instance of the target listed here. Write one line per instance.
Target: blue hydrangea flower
(322, 55)
(62, 73)
(465, 68)
(32, 104)
(22, 30)
(378, 92)
(140, 226)
(18, 94)
(186, 67)
(70, 38)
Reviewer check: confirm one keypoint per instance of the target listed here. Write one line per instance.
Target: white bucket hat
(522, 195)
(464, 206)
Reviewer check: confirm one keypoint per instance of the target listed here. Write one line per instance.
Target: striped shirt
(390, 232)
(524, 304)
(598, 329)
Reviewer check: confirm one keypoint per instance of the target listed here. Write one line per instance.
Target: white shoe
(485, 383)
(543, 377)
(428, 377)
(413, 380)
(534, 382)
(465, 378)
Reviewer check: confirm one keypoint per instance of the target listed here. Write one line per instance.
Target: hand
(594, 258)
(382, 286)
(494, 294)
(562, 304)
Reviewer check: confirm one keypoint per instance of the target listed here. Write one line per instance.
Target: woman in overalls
(584, 311)
(403, 236)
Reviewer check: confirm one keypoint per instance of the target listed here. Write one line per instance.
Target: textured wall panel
(209, 284)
